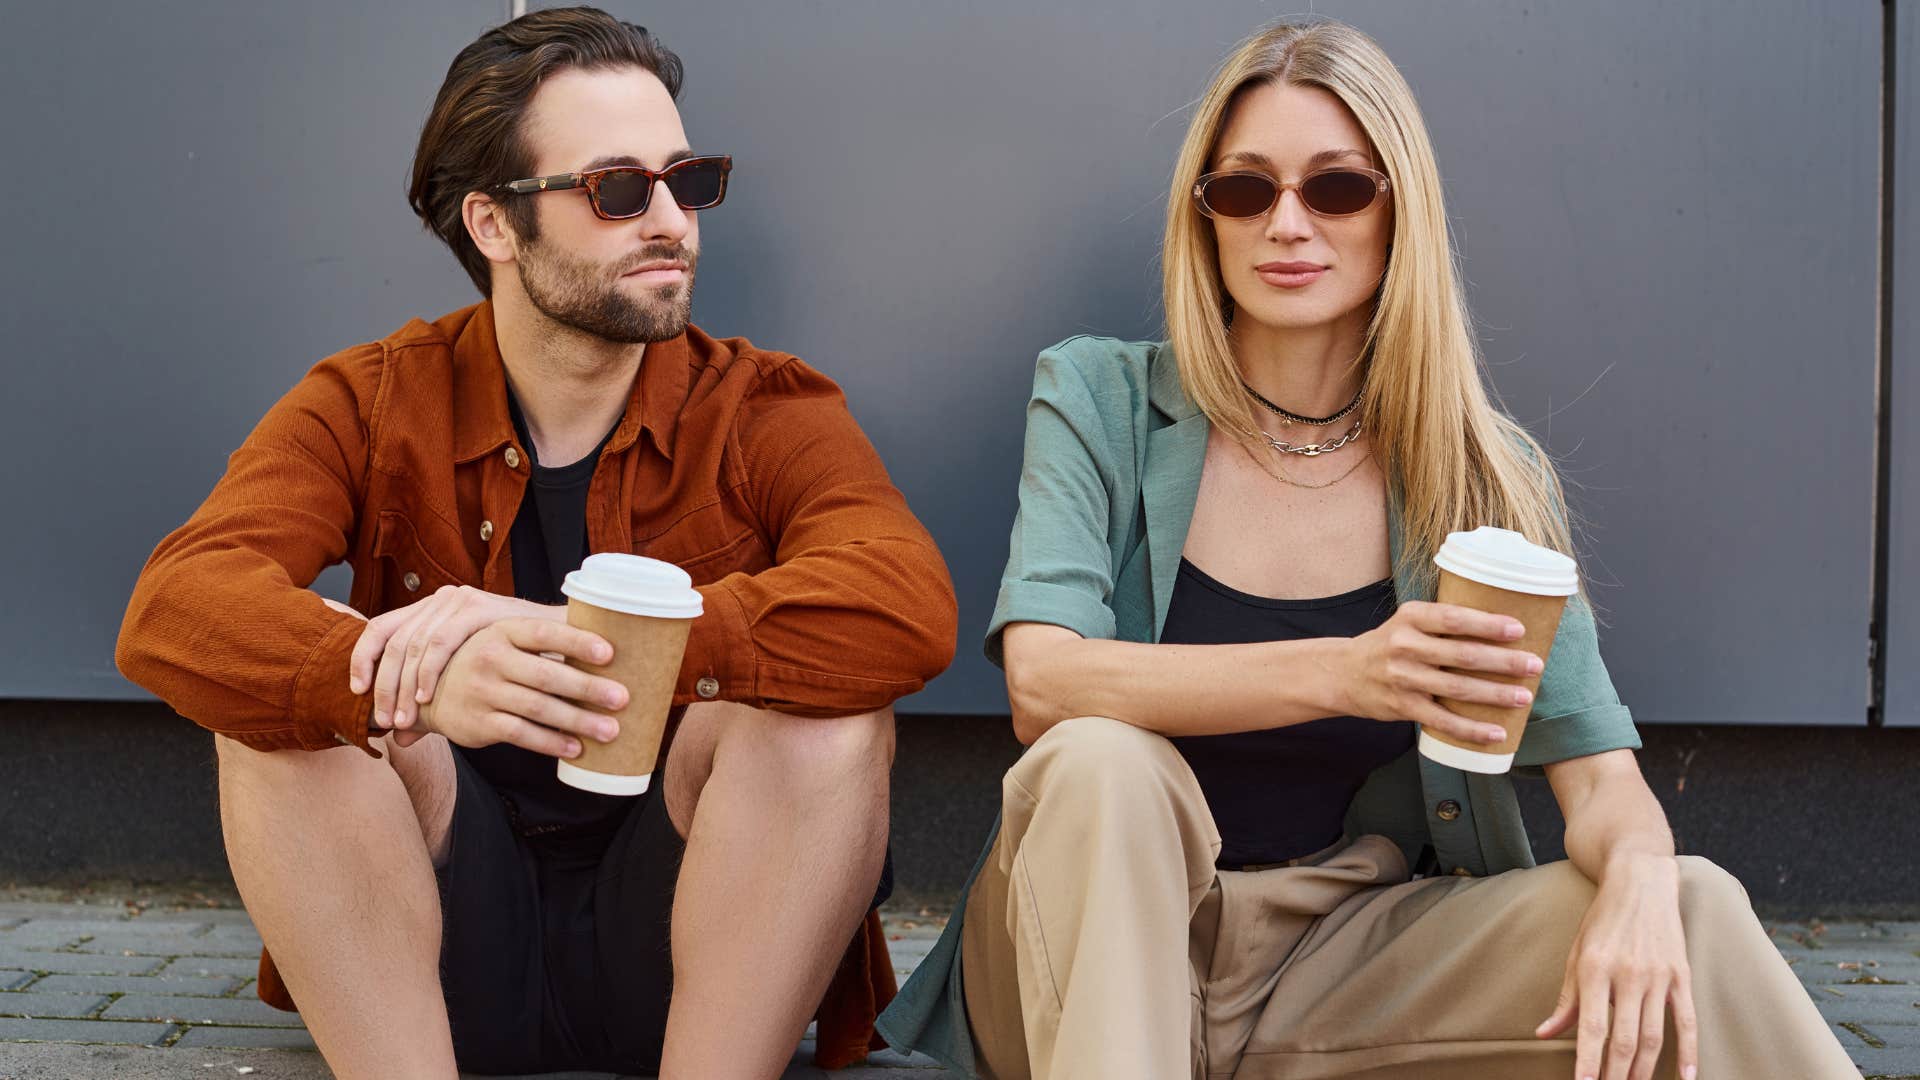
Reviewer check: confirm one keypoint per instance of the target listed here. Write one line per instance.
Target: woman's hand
(1394, 671)
(1630, 955)
(411, 646)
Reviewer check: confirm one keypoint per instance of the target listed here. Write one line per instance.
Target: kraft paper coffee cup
(645, 609)
(1500, 571)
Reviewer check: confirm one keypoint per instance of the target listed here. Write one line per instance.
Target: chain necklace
(1294, 417)
(1310, 450)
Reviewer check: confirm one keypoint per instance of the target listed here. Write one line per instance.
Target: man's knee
(843, 746)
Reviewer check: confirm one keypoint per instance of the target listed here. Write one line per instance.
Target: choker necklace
(1296, 418)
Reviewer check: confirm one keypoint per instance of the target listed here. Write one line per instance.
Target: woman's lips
(1290, 275)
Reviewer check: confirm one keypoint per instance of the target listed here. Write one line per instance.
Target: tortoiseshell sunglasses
(624, 191)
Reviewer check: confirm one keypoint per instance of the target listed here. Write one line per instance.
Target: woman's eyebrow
(1254, 157)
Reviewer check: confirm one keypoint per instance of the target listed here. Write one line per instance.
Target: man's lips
(658, 272)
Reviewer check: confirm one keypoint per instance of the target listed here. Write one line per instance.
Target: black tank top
(1281, 793)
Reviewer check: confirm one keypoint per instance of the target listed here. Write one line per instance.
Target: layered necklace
(1313, 449)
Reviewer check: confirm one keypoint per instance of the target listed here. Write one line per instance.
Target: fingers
(1453, 620)
(1475, 658)
(545, 635)
(373, 639)
(386, 680)
(552, 712)
(541, 740)
(1429, 713)
(1447, 684)
(1653, 1024)
(548, 674)
(1563, 1012)
(430, 628)
(1686, 1027)
(1624, 1042)
(1591, 1042)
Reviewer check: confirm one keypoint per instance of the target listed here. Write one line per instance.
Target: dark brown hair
(472, 140)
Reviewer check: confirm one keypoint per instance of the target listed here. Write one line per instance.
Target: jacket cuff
(721, 661)
(326, 712)
(1577, 734)
(1022, 600)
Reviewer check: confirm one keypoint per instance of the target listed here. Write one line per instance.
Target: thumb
(1563, 1013)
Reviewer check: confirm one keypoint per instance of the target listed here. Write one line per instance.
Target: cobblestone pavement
(103, 990)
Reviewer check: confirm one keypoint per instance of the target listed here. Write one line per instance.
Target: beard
(588, 297)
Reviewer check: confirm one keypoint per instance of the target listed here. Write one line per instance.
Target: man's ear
(486, 222)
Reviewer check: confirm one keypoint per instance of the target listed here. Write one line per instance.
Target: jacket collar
(482, 424)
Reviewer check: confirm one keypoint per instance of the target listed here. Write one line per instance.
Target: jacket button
(411, 581)
(513, 458)
(486, 530)
(1461, 871)
(708, 687)
(1447, 810)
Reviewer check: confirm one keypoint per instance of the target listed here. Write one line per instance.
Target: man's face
(628, 281)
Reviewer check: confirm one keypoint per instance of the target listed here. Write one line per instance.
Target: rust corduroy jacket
(824, 596)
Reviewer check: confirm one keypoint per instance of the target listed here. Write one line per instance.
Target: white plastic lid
(635, 585)
(1504, 559)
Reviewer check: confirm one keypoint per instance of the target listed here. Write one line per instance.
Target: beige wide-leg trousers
(1100, 942)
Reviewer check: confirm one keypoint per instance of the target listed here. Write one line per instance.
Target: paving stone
(199, 1010)
(213, 965)
(229, 941)
(79, 963)
(83, 1031)
(142, 943)
(36, 1003)
(275, 1038)
(34, 909)
(14, 980)
(46, 934)
(203, 985)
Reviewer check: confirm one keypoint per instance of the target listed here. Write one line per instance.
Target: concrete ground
(97, 986)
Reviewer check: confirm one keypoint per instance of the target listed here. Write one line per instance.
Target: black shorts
(555, 956)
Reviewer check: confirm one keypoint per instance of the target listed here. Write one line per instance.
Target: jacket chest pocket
(708, 543)
(405, 570)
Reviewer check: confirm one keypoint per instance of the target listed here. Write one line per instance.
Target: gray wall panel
(1903, 570)
(926, 195)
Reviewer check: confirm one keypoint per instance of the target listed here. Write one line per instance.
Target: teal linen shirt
(1114, 450)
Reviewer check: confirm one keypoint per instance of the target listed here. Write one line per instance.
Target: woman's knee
(1088, 756)
(1708, 894)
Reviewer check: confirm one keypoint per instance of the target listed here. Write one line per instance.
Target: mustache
(656, 253)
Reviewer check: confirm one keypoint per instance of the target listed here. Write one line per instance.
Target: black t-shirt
(1281, 793)
(549, 541)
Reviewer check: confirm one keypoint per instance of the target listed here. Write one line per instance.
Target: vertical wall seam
(1883, 365)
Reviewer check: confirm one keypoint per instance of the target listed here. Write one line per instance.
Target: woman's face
(1291, 269)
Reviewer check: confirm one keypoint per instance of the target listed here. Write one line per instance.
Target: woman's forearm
(1054, 674)
(1615, 820)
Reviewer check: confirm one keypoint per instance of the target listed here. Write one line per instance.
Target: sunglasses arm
(559, 182)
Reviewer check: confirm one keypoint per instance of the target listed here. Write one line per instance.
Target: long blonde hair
(1458, 460)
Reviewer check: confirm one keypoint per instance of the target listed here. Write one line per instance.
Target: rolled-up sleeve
(858, 609)
(1059, 562)
(1576, 712)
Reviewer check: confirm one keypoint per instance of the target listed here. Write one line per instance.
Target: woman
(1221, 855)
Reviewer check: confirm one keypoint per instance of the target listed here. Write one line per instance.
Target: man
(435, 897)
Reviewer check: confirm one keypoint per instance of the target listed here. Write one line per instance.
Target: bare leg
(333, 852)
(786, 826)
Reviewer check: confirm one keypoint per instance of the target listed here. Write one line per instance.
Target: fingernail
(573, 748)
(1534, 666)
(419, 696)
(380, 717)
(400, 718)
(1521, 697)
(1689, 1072)
(603, 653)
(608, 731)
(1514, 630)
(1494, 735)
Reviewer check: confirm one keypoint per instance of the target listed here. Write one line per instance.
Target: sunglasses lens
(697, 185)
(1339, 192)
(624, 194)
(1238, 195)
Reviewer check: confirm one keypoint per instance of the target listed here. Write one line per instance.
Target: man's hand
(412, 645)
(1631, 956)
(498, 687)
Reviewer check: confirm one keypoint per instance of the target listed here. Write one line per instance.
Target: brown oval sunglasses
(625, 191)
(1342, 191)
